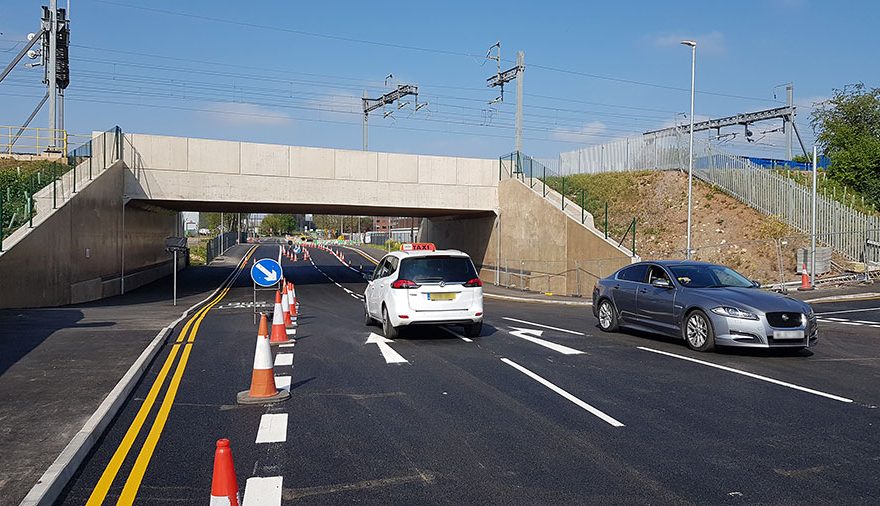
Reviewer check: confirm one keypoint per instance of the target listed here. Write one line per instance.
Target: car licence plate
(788, 334)
(441, 296)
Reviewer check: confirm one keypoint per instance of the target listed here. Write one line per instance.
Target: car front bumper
(759, 334)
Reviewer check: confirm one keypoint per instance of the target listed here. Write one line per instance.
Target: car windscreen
(709, 276)
(451, 269)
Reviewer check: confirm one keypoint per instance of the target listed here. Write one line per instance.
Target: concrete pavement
(505, 418)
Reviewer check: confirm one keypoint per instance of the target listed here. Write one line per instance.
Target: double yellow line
(133, 483)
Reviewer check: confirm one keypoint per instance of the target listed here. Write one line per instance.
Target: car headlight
(732, 312)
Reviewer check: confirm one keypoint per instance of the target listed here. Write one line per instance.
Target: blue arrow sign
(297, 249)
(266, 272)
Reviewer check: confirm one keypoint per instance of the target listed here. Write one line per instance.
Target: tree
(279, 224)
(847, 128)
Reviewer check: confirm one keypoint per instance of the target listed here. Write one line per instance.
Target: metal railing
(33, 140)
(219, 244)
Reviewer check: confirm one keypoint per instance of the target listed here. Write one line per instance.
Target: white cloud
(584, 134)
(239, 113)
(708, 43)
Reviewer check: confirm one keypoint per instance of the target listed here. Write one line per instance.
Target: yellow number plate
(441, 296)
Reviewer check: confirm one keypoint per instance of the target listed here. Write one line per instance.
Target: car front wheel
(697, 331)
(607, 316)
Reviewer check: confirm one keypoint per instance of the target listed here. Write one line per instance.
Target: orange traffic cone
(285, 309)
(263, 388)
(291, 298)
(279, 332)
(224, 485)
(805, 280)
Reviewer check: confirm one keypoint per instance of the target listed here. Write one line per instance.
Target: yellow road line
(133, 483)
(99, 493)
(103, 485)
(368, 257)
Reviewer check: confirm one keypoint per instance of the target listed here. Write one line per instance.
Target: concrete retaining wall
(533, 245)
(75, 254)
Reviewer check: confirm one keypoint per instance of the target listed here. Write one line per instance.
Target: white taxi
(420, 285)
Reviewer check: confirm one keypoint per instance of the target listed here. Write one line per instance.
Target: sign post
(173, 245)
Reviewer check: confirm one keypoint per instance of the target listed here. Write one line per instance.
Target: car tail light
(478, 313)
(474, 283)
(404, 283)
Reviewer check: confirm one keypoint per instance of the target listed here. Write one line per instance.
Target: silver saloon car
(704, 304)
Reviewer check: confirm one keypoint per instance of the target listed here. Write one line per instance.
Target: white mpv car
(422, 286)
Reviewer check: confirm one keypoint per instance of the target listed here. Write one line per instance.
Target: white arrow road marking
(390, 356)
(273, 428)
(543, 326)
(748, 374)
(607, 419)
(532, 336)
(270, 275)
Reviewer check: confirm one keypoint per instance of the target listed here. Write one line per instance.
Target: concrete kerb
(55, 478)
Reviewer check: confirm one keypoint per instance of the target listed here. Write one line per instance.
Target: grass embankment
(18, 179)
(724, 230)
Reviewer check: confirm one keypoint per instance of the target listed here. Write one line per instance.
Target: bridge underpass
(92, 242)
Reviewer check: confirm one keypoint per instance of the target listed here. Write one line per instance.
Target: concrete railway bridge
(108, 236)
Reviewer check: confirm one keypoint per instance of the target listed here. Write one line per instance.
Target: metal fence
(632, 153)
(219, 244)
(27, 197)
(571, 277)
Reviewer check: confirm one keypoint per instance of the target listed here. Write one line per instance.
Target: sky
(293, 72)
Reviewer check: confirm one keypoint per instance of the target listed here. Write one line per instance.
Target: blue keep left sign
(266, 272)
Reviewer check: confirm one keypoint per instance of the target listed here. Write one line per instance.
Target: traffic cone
(279, 332)
(285, 309)
(263, 388)
(291, 298)
(295, 299)
(224, 485)
(805, 280)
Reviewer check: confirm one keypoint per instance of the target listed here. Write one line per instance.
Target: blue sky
(293, 72)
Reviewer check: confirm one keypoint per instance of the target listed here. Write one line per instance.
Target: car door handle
(643, 290)
(616, 287)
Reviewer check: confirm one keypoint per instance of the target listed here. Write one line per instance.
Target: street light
(693, 46)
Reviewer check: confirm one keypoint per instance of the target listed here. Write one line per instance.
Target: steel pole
(53, 85)
(691, 153)
(174, 267)
(813, 226)
(520, 63)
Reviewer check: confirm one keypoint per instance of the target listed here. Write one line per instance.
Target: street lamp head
(691, 43)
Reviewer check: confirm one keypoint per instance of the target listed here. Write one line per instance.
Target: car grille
(784, 320)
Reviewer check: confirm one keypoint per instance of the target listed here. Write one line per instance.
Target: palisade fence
(219, 244)
(847, 231)
(28, 198)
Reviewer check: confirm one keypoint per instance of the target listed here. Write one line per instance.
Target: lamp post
(693, 46)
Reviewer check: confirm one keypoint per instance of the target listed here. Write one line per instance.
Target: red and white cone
(279, 331)
(224, 485)
(805, 280)
(285, 309)
(263, 389)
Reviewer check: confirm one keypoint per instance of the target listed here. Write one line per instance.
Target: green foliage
(848, 130)
(392, 245)
(617, 189)
(336, 224)
(18, 179)
(275, 224)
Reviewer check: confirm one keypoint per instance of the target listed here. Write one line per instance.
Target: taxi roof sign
(418, 246)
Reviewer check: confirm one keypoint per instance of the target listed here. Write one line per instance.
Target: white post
(174, 267)
(813, 227)
(693, 46)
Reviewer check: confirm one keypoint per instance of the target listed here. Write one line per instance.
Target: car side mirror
(367, 276)
(661, 283)
(755, 284)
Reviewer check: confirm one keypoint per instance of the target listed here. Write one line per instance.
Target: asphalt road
(543, 408)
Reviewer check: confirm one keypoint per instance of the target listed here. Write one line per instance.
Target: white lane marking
(849, 311)
(347, 290)
(543, 326)
(273, 428)
(841, 323)
(263, 491)
(289, 345)
(282, 383)
(456, 334)
(290, 332)
(283, 359)
(607, 419)
(390, 356)
(532, 335)
(835, 319)
(866, 322)
(749, 374)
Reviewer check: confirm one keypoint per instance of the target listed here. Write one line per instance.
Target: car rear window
(450, 269)
(633, 273)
